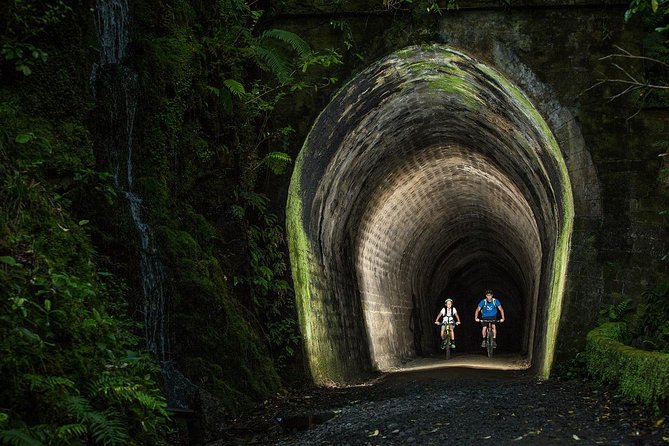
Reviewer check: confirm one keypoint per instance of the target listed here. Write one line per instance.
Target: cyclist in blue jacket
(488, 308)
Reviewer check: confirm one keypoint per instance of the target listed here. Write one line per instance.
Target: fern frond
(49, 383)
(117, 387)
(274, 62)
(19, 437)
(150, 401)
(293, 40)
(278, 162)
(105, 384)
(71, 431)
(235, 87)
(105, 427)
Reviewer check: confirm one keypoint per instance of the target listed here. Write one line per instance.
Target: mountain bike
(489, 335)
(447, 341)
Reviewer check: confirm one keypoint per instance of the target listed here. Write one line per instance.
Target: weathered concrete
(428, 168)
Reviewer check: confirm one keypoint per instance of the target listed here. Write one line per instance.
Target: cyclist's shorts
(443, 324)
(489, 318)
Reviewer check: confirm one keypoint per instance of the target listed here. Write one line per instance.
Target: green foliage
(24, 56)
(278, 162)
(27, 21)
(83, 345)
(620, 309)
(573, 368)
(647, 320)
(246, 72)
(68, 369)
(658, 10)
(650, 326)
(228, 355)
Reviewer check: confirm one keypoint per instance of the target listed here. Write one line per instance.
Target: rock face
(442, 170)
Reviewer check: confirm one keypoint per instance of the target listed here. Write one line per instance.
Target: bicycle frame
(489, 335)
(446, 341)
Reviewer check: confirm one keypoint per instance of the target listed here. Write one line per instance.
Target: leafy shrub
(647, 321)
(71, 370)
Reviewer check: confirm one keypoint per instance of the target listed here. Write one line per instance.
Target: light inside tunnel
(451, 226)
(428, 175)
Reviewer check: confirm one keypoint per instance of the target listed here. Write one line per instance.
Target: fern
(235, 87)
(107, 429)
(119, 389)
(68, 432)
(274, 62)
(278, 162)
(103, 426)
(150, 402)
(293, 40)
(19, 437)
(48, 383)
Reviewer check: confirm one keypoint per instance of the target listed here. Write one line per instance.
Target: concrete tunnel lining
(425, 164)
(468, 199)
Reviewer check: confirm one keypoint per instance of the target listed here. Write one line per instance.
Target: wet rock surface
(455, 405)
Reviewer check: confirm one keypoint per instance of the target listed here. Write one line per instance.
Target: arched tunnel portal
(429, 175)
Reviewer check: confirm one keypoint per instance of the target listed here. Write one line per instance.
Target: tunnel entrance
(428, 175)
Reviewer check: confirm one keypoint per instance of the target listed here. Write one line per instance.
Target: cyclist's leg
(484, 332)
(443, 331)
(452, 332)
(494, 335)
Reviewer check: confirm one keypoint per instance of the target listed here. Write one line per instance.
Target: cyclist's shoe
(452, 344)
(494, 344)
(483, 344)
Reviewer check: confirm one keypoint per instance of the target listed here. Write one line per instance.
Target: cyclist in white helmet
(448, 315)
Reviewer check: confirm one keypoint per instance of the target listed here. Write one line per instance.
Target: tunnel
(429, 175)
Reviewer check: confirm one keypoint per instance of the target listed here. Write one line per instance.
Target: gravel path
(457, 406)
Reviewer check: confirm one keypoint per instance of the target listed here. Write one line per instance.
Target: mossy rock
(640, 375)
(216, 341)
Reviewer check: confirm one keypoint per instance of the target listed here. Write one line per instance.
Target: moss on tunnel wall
(560, 261)
(451, 72)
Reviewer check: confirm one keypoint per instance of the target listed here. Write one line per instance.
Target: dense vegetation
(73, 360)
(73, 369)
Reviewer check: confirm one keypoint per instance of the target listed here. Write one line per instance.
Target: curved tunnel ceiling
(428, 173)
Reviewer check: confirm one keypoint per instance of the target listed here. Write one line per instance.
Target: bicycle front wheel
(490, 341)
(448, 346)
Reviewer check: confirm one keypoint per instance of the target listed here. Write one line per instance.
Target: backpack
(494, 302)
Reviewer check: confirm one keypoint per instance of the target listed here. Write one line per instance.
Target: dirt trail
(457, 405)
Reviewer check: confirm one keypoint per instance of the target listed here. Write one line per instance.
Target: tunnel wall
(421, 113)
(552, 51)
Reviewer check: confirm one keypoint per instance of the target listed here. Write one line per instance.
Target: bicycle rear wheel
(489, 345)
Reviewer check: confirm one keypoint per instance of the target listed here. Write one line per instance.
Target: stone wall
(553, 52)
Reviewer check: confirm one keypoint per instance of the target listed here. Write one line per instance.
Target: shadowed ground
(457, 404)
